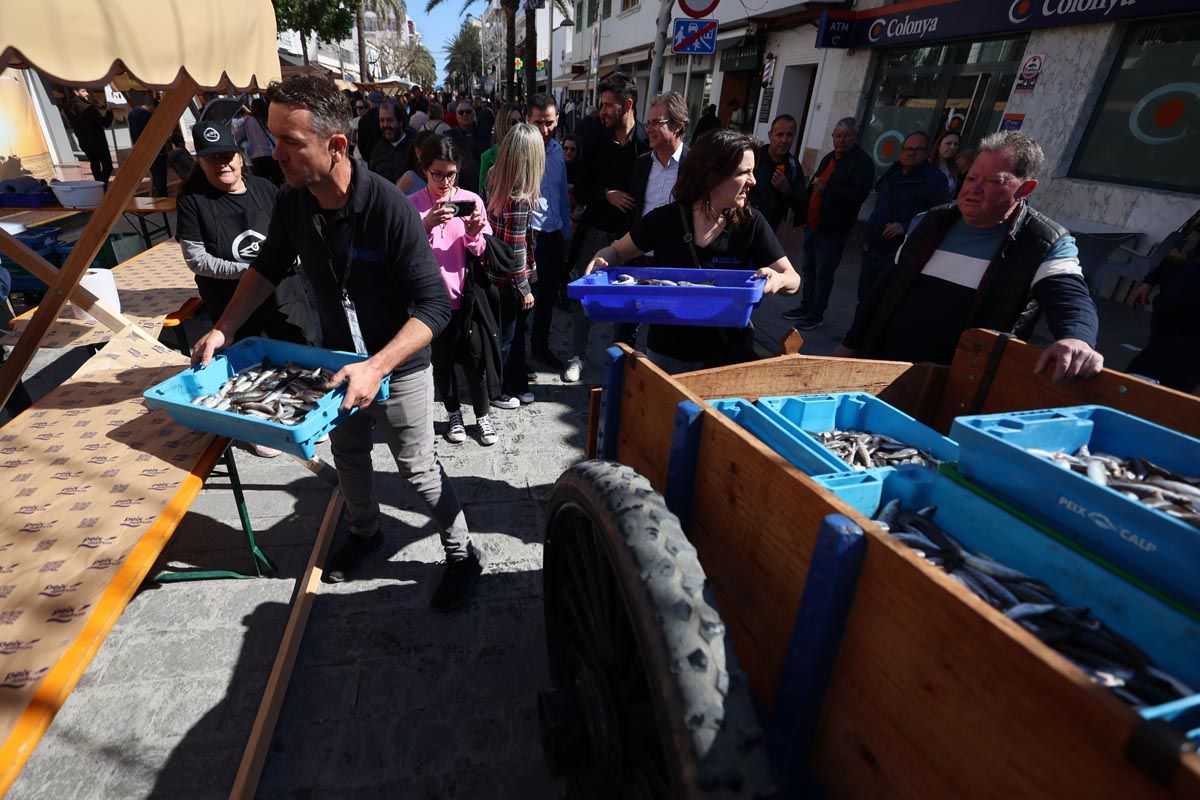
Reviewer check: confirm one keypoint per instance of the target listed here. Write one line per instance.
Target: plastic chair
(1137, 264)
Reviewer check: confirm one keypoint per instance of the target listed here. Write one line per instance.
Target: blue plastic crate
(1155, 547)
(175, 395)
(38, 238)
(1169, 637)
(727, 304)
(40, 199)
(801, 451)
(855, 411)
(860, 490)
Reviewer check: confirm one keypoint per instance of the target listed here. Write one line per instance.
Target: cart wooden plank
(1014, 387)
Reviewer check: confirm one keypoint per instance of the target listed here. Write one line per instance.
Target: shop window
(957, 86)
(1143, 130)
(628, 4)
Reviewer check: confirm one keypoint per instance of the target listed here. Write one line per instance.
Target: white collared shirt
(662, 180)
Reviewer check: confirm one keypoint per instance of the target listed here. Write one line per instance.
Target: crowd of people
(435, 235)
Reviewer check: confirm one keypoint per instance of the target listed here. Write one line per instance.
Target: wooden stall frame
(928, 674)
(65, 282)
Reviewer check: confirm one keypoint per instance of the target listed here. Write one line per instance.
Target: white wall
(1078, 61)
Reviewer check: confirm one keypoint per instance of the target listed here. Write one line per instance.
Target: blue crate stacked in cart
(175, 395)
(1025, 511)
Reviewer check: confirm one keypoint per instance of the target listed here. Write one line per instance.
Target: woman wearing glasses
(454, 219)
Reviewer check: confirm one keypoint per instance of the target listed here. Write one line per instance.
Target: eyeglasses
(443, 177)
(654, 123)
(466, 113)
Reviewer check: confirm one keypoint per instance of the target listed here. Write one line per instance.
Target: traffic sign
(696, 37)
(698, 11)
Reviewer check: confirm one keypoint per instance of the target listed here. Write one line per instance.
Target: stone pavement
(388, 699)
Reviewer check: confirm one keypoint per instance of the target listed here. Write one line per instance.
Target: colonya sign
(920, 21)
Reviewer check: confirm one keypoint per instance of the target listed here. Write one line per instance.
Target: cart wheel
(647, 700)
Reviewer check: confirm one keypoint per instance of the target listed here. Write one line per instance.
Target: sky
(439, 28)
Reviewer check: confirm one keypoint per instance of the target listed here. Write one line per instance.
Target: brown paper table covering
(94, 484)
(151, 285)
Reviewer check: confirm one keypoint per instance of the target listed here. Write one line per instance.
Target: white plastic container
(100, 283)
(78, 194)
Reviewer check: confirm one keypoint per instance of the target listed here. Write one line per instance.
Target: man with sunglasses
(472, 141)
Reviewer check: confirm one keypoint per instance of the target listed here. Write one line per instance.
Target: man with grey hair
(839, 186)
(986, 261)
(389, 158)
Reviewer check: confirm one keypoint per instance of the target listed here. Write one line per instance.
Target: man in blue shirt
(552, 221)
(986, 261)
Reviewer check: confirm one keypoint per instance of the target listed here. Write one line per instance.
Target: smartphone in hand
(463, 208)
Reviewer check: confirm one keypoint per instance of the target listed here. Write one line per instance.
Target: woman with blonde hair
(513, 188)
(509, 116)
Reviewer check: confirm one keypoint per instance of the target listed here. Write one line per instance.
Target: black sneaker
(799, 312)
(547, 357)
(348, 557)
(808, 323)
(458, 579)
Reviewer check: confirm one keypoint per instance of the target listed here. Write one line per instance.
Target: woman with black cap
(223, 217)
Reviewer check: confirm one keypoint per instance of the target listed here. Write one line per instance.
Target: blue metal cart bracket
(681, 467)
(607, 431)
(820, 624)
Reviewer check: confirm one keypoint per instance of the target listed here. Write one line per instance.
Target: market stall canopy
(217, 43)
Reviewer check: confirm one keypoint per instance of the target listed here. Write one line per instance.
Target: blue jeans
(822, 254)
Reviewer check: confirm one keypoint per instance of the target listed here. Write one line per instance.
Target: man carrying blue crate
(987, 260)
(378, 292)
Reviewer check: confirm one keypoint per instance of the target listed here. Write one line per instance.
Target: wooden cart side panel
(934, 694)
(647, 417)
(1014, 387)
(914, 388)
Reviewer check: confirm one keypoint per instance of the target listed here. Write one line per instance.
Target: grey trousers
(406, 421)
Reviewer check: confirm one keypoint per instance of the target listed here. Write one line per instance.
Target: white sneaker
(457, 432)
(525, 398)
(573, 371)
(506, 401)
(487, 431)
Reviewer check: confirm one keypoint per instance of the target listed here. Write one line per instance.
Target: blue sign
(920, 21)
(696, 37)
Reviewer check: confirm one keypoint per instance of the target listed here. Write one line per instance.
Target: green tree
(407, 58)
(329, 20)
(384, 10)
(509, 9)
(464, 59)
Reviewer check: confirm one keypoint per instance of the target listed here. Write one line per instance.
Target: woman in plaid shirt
(513, 185)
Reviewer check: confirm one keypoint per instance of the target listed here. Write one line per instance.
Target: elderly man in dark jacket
(986, 261)
(840, 184)
(910, 186)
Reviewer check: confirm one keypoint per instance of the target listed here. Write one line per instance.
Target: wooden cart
(903, 685)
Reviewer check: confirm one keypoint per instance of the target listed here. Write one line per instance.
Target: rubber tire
(706, 720)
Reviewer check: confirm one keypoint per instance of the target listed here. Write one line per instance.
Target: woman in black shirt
(711, 226)
(223, 217)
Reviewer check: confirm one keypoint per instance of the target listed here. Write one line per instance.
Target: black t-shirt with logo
(231, 226)
(751, 245)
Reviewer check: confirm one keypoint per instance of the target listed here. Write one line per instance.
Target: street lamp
(566, 23)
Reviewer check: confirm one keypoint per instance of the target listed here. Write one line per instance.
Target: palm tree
(464, 60)
(509, 9)
(383, 9)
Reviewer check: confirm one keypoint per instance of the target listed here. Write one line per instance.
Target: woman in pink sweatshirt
(456, 223)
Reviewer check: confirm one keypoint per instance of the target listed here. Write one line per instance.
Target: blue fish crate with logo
(175, 395)
(854, 411)
(801, 451)
(1168, 636)
(727, 303)
(1151, 545)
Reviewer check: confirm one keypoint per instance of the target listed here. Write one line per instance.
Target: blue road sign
(697, 37)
